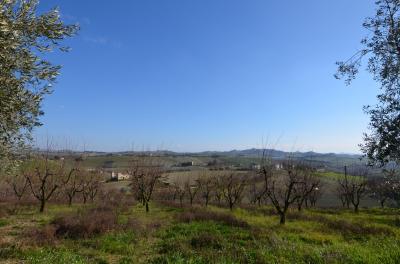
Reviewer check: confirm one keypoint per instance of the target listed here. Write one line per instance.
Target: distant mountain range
(253, 152)
(279, 154)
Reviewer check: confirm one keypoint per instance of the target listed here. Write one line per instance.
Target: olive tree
(381, 48)
(26, 76)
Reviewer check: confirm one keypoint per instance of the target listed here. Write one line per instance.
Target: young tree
(382, 188)
(354, 187)
(18, 184)
(44, 177)
(281, 187)
(256, 190)
(314, 196)
(191, 190)
(218, 187)
(206, 185)
(74, 184)
(26, 75)
(343, 189)
(382, 49)
(145, 173)
(91, 184)
(309, 183)
(180, 193)
(233, 185)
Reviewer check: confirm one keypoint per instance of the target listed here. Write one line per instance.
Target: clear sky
(191, 75)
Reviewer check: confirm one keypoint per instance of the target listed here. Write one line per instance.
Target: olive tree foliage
(382, 50)
(25, 75)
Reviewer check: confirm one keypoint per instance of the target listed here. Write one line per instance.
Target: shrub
(346, 227)
(206, 215)
(117, 200)
(86, 223)
(42, 236)
(206, 240)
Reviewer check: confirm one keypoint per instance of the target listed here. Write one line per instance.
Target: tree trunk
(147, 207)
(283, 218)
(42, 205)
(299, 206)
(69, 200)
(382, 204)
(356, 208)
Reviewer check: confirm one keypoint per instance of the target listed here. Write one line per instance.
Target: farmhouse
(119, 176)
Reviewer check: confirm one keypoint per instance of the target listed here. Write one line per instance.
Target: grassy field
(169, 234)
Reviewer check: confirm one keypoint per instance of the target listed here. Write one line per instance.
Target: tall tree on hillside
(382, 50)
(25, 75)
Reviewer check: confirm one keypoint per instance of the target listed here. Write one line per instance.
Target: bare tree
(352, 188)
(74, 184)
(381, 188)
(206, 186)
(358, 186)
(91, 184)
(145, 173)
(256, 190)
(44, 177)
(191, 190)
(218, 189)
(180, 193)
(314, 196)
(343, 189)
(307, 185)
(233, 185)
(281, 186)
(18, 184)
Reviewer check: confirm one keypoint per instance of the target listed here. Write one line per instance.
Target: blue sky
(191, 75)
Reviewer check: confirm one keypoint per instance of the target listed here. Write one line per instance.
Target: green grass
(314, 236)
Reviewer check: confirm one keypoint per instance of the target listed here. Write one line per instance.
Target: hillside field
(170, 234)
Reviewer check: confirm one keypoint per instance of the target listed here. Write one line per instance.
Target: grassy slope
(313, 237)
